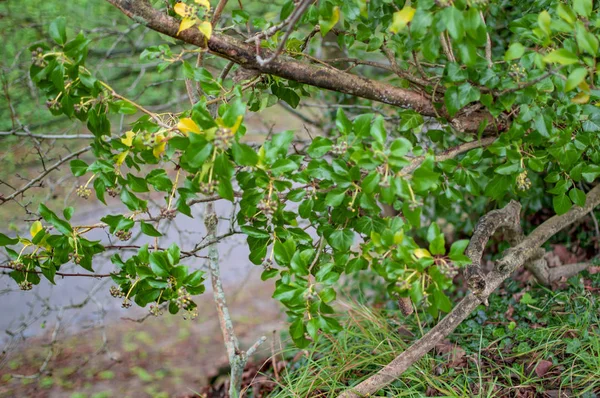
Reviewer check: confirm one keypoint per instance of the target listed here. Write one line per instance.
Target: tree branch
(326, 78)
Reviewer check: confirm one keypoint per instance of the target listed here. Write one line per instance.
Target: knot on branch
(210, 221)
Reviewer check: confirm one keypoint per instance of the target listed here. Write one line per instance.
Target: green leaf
(544, 21)
(566, 13)
(575, 78)
(283, 166)
(341, 240)
(197, 152)
(319, 147)
(335, 197)
(586, 41)
(424, 178)
(284, 251)
(297, 330)
(454, 20)
(458, 248)
(507, 168)
(244, 155)
(159, 179)
(159, 264)
(590, 172)
(583, 7)
(497, 187)
(62, 226)
(342, 122)
(118, 223)
(327, 295)
(68, 212)
(194, 279)
(356, 264)
(456, 98)
(412, 214)
(5, 240)
(515, 51)
(58, 31)
(131, 201)
(400, 147)
(577, 196)
(561, 56)
(438, 245)
(137, 184)
(255, 232)
(149, 229)
(300, 261)
(378, 130)
(561, 204)
(78, 167)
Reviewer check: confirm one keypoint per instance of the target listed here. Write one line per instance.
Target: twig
(44, 174)
(488, 43)
(448, 153)
(298, 12)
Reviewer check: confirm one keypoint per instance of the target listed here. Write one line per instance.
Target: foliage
(491, 354)
(312, 211)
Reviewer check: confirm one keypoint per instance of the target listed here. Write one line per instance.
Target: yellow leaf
(159, 149)
(186, 23)
(398, 237)
(205, 27)
(187, 125)
(128, 139)
(25, 242)
(420, 253)
(35, 228)
(402, 18)
(238, 123)
(364, 11)
(327, 24)
(581, 98)
(203, 3)
(120, 158)
(180, 9)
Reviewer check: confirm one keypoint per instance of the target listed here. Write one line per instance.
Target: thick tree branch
(507, 218)
(513, 258)
(546, 275)
(327, 78)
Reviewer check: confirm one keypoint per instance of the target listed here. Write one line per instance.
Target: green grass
(495, 353)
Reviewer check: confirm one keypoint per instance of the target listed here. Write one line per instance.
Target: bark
(245, 55)
(513, 258)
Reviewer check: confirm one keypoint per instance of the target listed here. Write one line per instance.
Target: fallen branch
(512, 259)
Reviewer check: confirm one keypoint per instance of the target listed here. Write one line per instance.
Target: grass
(537, 343)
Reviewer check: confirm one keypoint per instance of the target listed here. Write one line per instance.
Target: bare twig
(488, 43)
(294, 18)
(44, 174)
